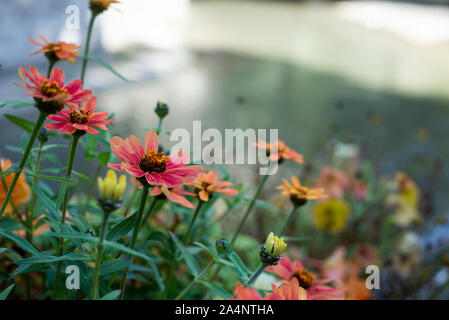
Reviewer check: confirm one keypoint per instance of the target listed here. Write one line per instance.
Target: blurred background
(368, 73)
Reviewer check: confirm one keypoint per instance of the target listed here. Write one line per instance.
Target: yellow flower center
(52, 89)
(305, 278)
(153, 161)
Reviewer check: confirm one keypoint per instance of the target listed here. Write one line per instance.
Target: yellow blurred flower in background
(331, 215)
(405, 200)
(21, 193)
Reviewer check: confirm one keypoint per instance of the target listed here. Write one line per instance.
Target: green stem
(87, 45)
(149, 212)
(287, 222)
(37, 127)
(248, 210)
(256, 274)
(51, 63)
(68, 173)
(96, 280)
(194, 281)
(139, 213)
(192, 222)
(33, 194)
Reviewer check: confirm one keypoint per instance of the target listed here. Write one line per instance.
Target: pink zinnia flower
(283, 152)
(174, 194)
(334, 181)
(147, 165)
(52, 94)
(244, 293)
(317, 289)
(58, 50)
(80, 120)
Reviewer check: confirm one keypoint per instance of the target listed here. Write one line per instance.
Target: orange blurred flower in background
(57, 50)
(207, 185)
(21, 193)
(279, 151)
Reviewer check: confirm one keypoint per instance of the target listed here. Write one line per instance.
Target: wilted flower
(270, 253)
(98, 6)
(207, 185)
(174, 194)
(299, 194)
(51, 94)
(279, 151)
(334, 181)
(147, 165)
(21, 193)
(331, 215)
(57, 50)
(80, 120)
(317, 289)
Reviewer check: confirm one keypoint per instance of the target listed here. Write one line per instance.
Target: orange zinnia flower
(283, 152)
(80, 120)
(21, 193)
(287, 291)
(299, 194)
(147, 165)
(174, 194)
(52, 94)
(57, 50)
(207, 185)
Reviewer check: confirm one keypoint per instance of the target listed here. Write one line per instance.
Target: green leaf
(111, 295)
(208, 250)
(114, 265)
(15, 104)
(26, 125)
(242, 270)
(107, 66)
(30, 173)
(7, 223)
(51, 259)
(5, 293)
(48, 203)
(11, 169)
(190, 261)
(80, 175)
(106, 244)
(21, 242)
(217, 290)
(122, 228)
(104, 157)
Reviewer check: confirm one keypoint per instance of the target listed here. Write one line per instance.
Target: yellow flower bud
(110, 188)
(274, 245)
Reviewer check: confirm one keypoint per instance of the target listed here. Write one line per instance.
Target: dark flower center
(79, 117)
(52, 89)
(305, 278)
(153, 162)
